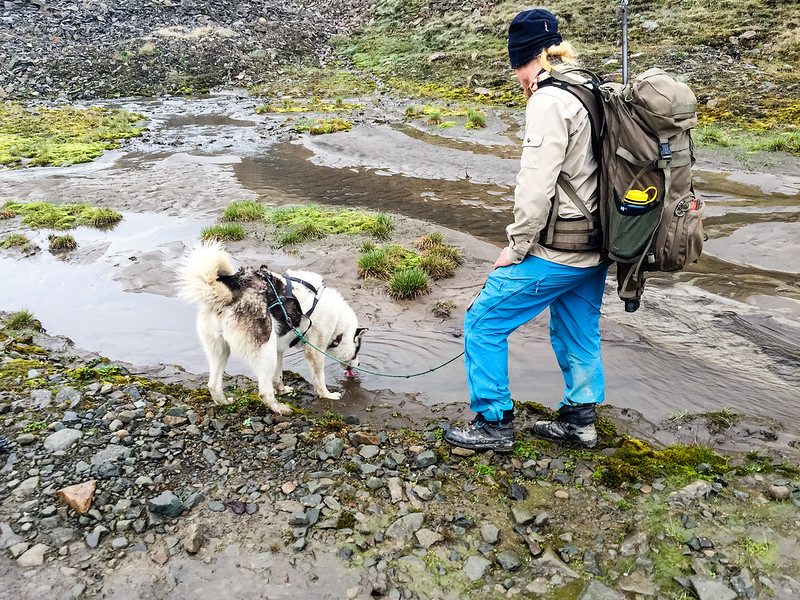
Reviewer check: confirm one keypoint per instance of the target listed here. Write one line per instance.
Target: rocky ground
(91, 49)
(172, 497)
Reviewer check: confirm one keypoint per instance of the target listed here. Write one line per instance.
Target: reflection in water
(286, 176)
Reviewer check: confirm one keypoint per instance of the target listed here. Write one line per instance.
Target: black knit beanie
(531, 32)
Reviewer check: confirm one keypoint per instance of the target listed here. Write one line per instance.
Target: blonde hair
(563, 52)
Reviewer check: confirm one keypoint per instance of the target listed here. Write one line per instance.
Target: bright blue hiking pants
(513, 296)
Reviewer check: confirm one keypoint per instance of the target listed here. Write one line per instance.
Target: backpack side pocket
(630, 232)
(679, 240)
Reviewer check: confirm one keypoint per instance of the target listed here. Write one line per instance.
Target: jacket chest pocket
(531, 150)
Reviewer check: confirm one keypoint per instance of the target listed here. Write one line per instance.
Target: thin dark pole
(624, 41)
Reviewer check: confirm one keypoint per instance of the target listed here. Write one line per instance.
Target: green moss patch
(44, 215)
(634, 461)
(14, 374)
(61, 136)
(317, 82)
(322, 126)
(297, 224)
(313, 105)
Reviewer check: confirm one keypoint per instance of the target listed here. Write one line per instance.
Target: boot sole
(495, 446)
(562, 440)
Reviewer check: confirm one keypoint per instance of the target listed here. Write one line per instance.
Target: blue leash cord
(305, 341)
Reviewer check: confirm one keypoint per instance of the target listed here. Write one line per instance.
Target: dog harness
(280, 300)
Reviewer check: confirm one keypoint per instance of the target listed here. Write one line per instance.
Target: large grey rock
(490, 533)
(743, 585)
(592, 564)
(8, 538)
(427, 537)
(62, 440)
(522, 516)
(34, 556)
(550, 563)
(334, 447)
(27, 487)
(166, 503)
(93, 539)
(595, 590)
(109, 453)
(405, 526)
(707, 588)
(635, 545)
(639, 584)
(509, 560)
(68, 395)
(426, 459)
(395, 486)
(475, 567)
(41, 399)
(694, 491)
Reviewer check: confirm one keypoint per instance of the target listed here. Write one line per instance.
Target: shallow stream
(725, 334)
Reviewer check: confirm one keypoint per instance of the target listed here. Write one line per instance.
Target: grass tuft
(477, 119)
(244, 211)
(226, 232)
(437, 266)
(17, 240)
(426, 242)
(62, 243)
(22, 320)
(408, 284)
(302, 233)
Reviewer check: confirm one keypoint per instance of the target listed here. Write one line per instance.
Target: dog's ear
(336, 341)
(360, 331)
(292, 306)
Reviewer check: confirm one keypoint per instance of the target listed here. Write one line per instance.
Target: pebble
(779, 492)
(475, 567)
(193, 538)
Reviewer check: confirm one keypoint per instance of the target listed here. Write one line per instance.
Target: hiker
(553, 265)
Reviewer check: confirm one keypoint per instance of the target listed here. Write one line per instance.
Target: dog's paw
(331, 395)
(222, 400)
(283, 389)
(281, 409)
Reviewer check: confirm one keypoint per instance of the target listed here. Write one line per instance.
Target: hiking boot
(561, 431)
(481, 434)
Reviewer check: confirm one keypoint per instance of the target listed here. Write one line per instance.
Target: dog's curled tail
(198, 272)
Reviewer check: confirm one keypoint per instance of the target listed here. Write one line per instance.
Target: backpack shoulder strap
(584, 85)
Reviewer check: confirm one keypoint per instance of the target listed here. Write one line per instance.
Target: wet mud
(724, 334)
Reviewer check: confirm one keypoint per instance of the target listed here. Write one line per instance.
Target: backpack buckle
(664, 151)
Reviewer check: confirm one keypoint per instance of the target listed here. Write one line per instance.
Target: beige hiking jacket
(558, 140)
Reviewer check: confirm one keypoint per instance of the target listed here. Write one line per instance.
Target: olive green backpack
(650, 216)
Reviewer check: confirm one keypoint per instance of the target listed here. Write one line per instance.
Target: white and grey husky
(243, 311)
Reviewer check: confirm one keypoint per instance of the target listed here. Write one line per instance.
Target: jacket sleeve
(544, 147)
